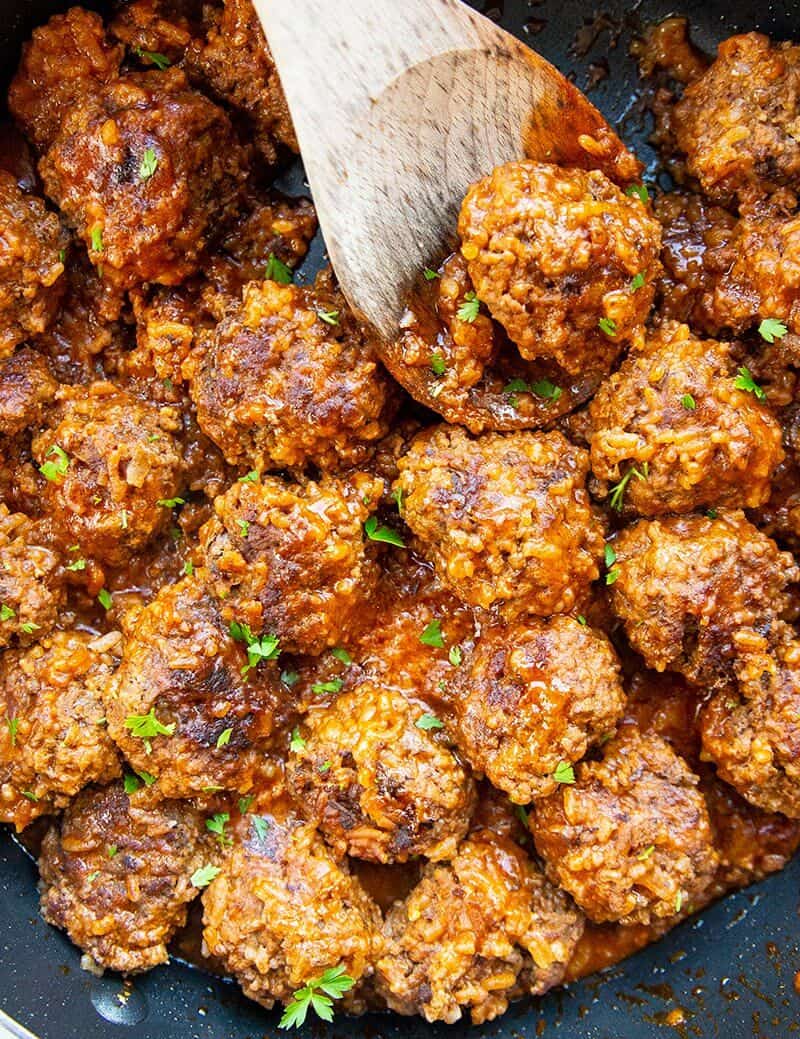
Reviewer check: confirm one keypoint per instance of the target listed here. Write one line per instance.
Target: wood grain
(399, 106)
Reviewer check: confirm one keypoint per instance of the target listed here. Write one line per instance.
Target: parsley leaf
(639, 191)
(745, 381)
(429, 721)
(278, 271)
(265, 648)
(542, 388)
(607, 325)
(251, 477)
(342, 655)
(6, 613)
(12, 724)
(245, 803)
(637, 281)
(148, 165)
(382, 533)
(397, 495)
(57, 470)
(188, 568)
(333, 686)
(438, 365)
(202, 877)
(648, 851)
(618, 490)
(289, 678)
(772, 329)
(688, 401)
(330, 317)
(430, 275)
(432, 635)
(297, 743)
(564, 773)
(469, 308)
(224, 738)
(455, 656)
(333, 984)
(146, 727)
(170, 503)
(216, 825)
(104, 598)
(97, 239)
(260, 825)
(161, 61)
(609, 555)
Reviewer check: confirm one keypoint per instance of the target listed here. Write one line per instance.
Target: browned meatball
(157, 27)
(27, 386)
(32, 587)
(696, 252)
(563, 259)
(111, 464)
(66, 60)
(380, 786)
(751, 731)
(505, 518)
(737, 123)
(181, 671)
(235, 64)
(278, 385)
(476, 932)
(291, 559)
(630, 840)
(144, 171)
(691, 590)
(116, 875)
(673, 414)
(534, 696)
(32, 247)
(284, 910)
(53, 741)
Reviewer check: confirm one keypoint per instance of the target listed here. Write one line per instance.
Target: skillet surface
(729, 973)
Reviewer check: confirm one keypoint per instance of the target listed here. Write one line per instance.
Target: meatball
(630, 840)
(737, 123)
(291, 559)
(380, 786)
(112, 465)
(673, 413)
(476, 932)
(696, 252)
(691, 590)
(289, 378)
(234, 63)
(116, 875)
(32, 589)
(54, 740)
(31, 264)
(66, 60)
(284, 910)
(563, 259)
(505, 518)
(157, 27)
(531, 698)
(180, 707)
(751, 731)
(144, 171)
(27, 386)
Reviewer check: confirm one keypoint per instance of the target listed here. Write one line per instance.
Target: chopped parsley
(455, 656)
(57, 470)
(278, 271)
(612, 576)
(244, 528)
(542, 388)
(260, 825)
(609, 555)
(297, 744)
(564, 773)
(29, 627)
(648, 851)
(317, 995)
(688, 401)
(637, 281)
(618, 490)
(132, 782)
(333, 686)
(251, 477)
(112, 850)
(265, 648)
(581, 619)
(608, 326)
(397, 495)
(469, 309)
(146, 727)
(342, 655)
(12, 724)
(432, 635)
(382, 533)
(324, 767)
(745, 381)
(62, 255)
(148, 165)
(429, 721)
(678, 901)
(772, 329)
(202, 877)
(188, 568)
(170, 503)
(245, 803)
(104, 598)
(216, 825)
(521, 813)
(224, 738)
(438, 366)
(29, 795)
(330, 317)
(97, 239)
(712, 514)
(161, 61)
(289, 678)
(638, 191)
(6, 613)
(430, 275)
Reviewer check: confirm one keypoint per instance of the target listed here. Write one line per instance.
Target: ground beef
(673, 414)
(630, 839)
(751, 731)
(32, 590)
(691, 591)
(553, 253)
(504, 518)
(111, 464)
(181, 665)
(291, 559)
(116, 875)
(27, 386)
(534, 696)
(54, 741)
(32, 245)
(284, 910)
(738, 123)
(65, 61)
(279, 386)
(144, 171)
(476, 932)
(380, 786)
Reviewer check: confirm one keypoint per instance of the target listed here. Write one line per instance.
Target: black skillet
(729, 973)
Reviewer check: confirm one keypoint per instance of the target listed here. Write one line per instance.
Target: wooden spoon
(399, 105)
